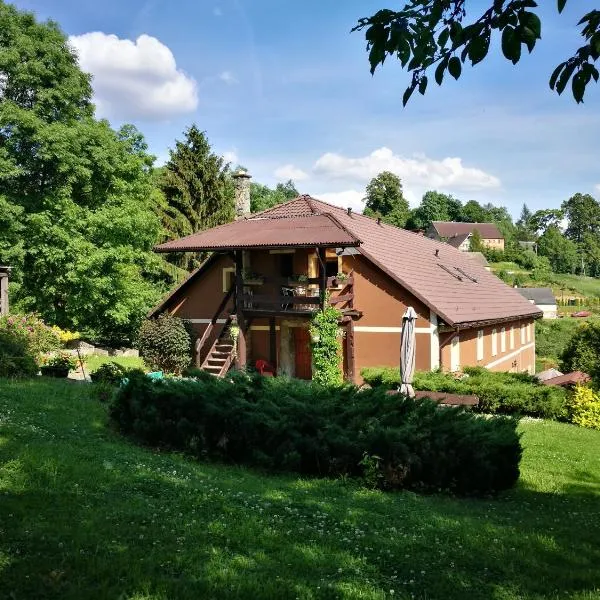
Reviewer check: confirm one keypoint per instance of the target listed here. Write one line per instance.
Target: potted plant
(339, 279)
(298, 280)
(58, 365)
(251, 278)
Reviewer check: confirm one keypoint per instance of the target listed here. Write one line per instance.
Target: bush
(37, 337)
(501, 393)
(582, 352)
(110, 372)
(326, 346)
(165, 343)
(584, 408)
(16, 360)
(553, 335)
(290, 425)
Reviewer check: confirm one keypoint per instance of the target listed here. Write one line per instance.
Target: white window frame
(226, 272)
(512, 337)
(455, 354)
(480, 354)
(502, 340)
(494, 342)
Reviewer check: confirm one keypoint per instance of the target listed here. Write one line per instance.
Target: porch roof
(267, 232)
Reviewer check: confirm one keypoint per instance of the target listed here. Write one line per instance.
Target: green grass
(93, 361)
(86, 514)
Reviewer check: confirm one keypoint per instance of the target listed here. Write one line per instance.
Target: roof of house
(538, 295)
(574, 378)
(314, 229)
(448, 229)
(454, 286)
(457, 240)
(478, 257)
(548, 374)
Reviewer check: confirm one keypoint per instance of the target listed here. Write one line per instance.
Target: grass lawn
(92, 362)
(86, 514)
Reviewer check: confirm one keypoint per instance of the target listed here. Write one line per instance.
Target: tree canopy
(263, 197)
(444, 35)
(384, 199)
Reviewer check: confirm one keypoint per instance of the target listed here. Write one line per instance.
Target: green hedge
(287, 425)
(501, 393)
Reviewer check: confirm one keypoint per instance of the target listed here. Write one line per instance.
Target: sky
(284, 89)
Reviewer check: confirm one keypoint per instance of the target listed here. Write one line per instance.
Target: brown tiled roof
(310, 229)
(457, 240)
(568, 379)
(442, 282)
(448, 229)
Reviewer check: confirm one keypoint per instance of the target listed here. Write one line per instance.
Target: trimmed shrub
(165, 344)
(582, 353)
(16, 360)
(326, 346)
(501, 393)
(290, 425)
(110, 372)
(584, 408)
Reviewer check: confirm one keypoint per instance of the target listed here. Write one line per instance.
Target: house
(480, 259)
(543, 298)
(459, 234)
(4, 277)
(269, 272)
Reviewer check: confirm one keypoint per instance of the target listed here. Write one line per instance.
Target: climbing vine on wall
(326, 346)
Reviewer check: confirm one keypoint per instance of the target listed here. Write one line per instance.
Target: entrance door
(303, 357)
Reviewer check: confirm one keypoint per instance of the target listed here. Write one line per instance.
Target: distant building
(459, 234)
(543, 298)
(480, 259)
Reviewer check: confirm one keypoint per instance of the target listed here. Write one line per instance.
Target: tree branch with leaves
(441, 35)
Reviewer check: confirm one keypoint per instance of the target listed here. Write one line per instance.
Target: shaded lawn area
(86, 514)
(93, 362)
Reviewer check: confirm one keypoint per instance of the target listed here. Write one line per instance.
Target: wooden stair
(220, 356)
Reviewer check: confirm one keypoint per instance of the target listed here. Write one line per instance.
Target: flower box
(58, 372)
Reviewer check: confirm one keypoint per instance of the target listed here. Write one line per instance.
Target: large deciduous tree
(559, 250)
(441, 36)
(435, 206)
(76, 193)
(384, 199)
(583, 214)
(263, 197)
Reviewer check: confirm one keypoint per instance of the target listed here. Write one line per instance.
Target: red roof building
(270, 271)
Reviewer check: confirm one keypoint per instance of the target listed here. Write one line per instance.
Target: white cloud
(448, 173)
(345, 199)
(135, 79)
(228, 77)
(231, 157)
(288, 171)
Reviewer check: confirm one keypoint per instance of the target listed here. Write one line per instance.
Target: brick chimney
(241, 180)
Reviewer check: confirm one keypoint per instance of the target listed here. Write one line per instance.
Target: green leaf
(455, 67)
(423, 85)
(478, 49)
(567, 71)
(511, 45)
(439, 72)
(407, 94)
(561, 5)
(555, 75)
(578, 86)
(532, 21)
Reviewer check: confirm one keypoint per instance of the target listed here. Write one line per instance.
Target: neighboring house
(480, 259)
(270, 271)
(4, 276)
(543, 298)
(459, 234)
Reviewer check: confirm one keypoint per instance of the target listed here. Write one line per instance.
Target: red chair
(264, 368)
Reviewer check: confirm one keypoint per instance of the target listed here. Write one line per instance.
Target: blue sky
(283, 88)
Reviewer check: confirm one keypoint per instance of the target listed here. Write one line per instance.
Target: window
(512, 337)
(331, 267)
(455, 354)
(494, 342)
(502, 340)
(228, 278)
(286, 265)
(480, 344)
(522, 334)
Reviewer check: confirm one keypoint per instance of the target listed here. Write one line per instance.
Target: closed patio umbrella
(407, 352)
